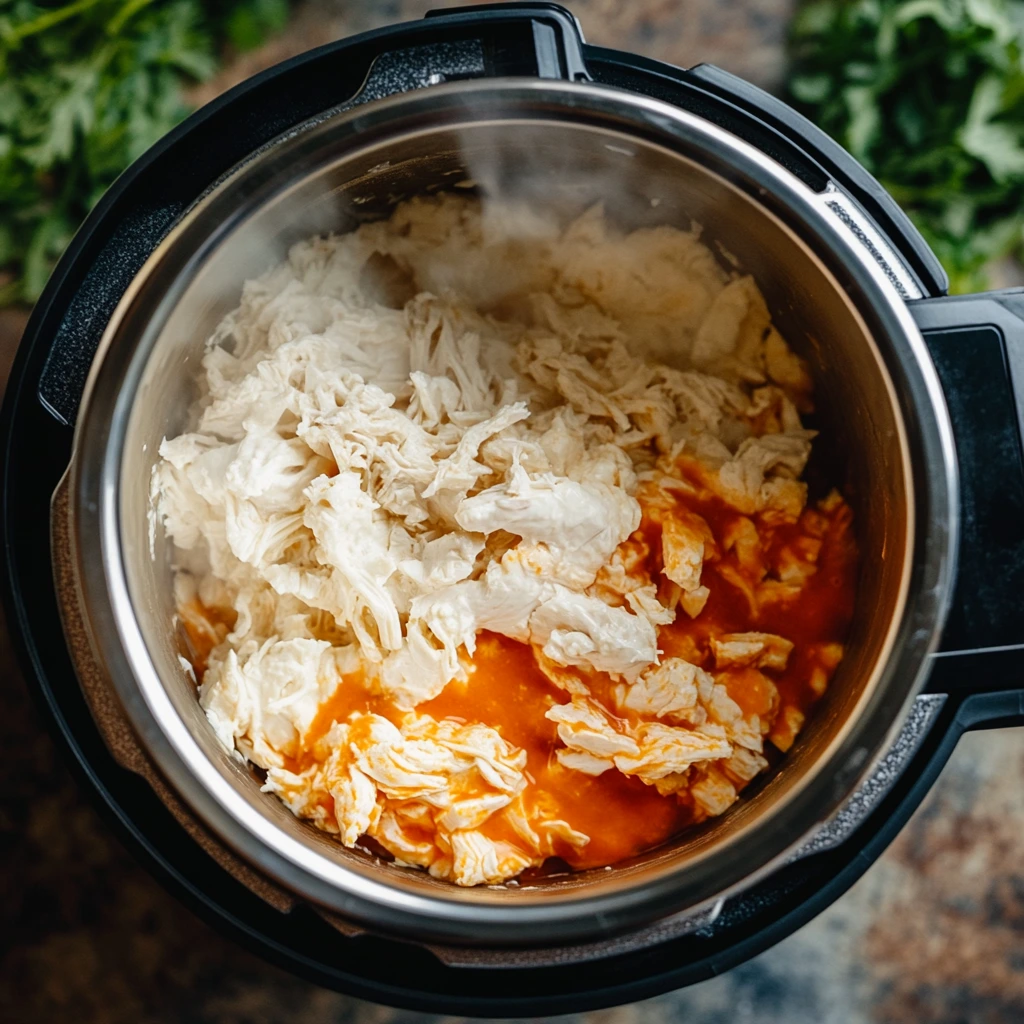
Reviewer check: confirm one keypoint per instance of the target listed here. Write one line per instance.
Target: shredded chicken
(414, 433)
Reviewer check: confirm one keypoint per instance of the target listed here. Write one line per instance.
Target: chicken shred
(410, 437)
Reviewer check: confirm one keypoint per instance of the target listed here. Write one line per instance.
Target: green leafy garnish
(85, 88)
(929, 95)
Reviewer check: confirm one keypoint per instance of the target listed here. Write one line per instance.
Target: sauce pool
(506, 690)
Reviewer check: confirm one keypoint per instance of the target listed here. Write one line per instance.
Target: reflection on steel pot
(509, 97)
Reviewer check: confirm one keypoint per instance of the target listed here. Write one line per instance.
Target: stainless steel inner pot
(834, 293)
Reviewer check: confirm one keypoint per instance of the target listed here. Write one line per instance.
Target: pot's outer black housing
(36, 434)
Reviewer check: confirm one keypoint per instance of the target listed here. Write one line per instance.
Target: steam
(532, 180)
(536, 178)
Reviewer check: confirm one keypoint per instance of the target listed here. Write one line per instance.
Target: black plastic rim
(35, 452)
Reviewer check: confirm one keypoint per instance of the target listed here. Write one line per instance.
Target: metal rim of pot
(483, 915)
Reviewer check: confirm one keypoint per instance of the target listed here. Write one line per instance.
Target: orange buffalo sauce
(509, 692)
(506, 689)
(204, 629)
(815, 620)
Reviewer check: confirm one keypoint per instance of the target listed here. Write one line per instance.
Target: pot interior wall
(563, 168)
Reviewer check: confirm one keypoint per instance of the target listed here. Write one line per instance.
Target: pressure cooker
(920, 400)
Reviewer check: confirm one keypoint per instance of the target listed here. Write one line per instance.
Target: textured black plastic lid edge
(676, 87)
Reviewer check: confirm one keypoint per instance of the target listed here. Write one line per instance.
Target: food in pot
(493, 548)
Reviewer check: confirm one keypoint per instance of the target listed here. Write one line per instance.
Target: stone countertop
(746, 37)
(933, 933)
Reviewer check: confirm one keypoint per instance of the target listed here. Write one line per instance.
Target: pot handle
(535, 40)
(532, 38)
(977, 344)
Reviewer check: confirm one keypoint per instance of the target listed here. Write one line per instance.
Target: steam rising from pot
(532, 180)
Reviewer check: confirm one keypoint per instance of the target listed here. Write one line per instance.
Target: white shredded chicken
(412, 433)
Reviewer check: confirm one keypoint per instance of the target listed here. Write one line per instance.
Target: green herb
(929, 95)
(85, 88)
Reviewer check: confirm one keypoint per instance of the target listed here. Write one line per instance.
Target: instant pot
(920, 399)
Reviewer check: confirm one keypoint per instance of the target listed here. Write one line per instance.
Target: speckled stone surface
(933, 934)
(745, 37)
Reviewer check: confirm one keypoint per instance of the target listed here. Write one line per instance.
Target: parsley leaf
(929, 95)
(85, 88)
